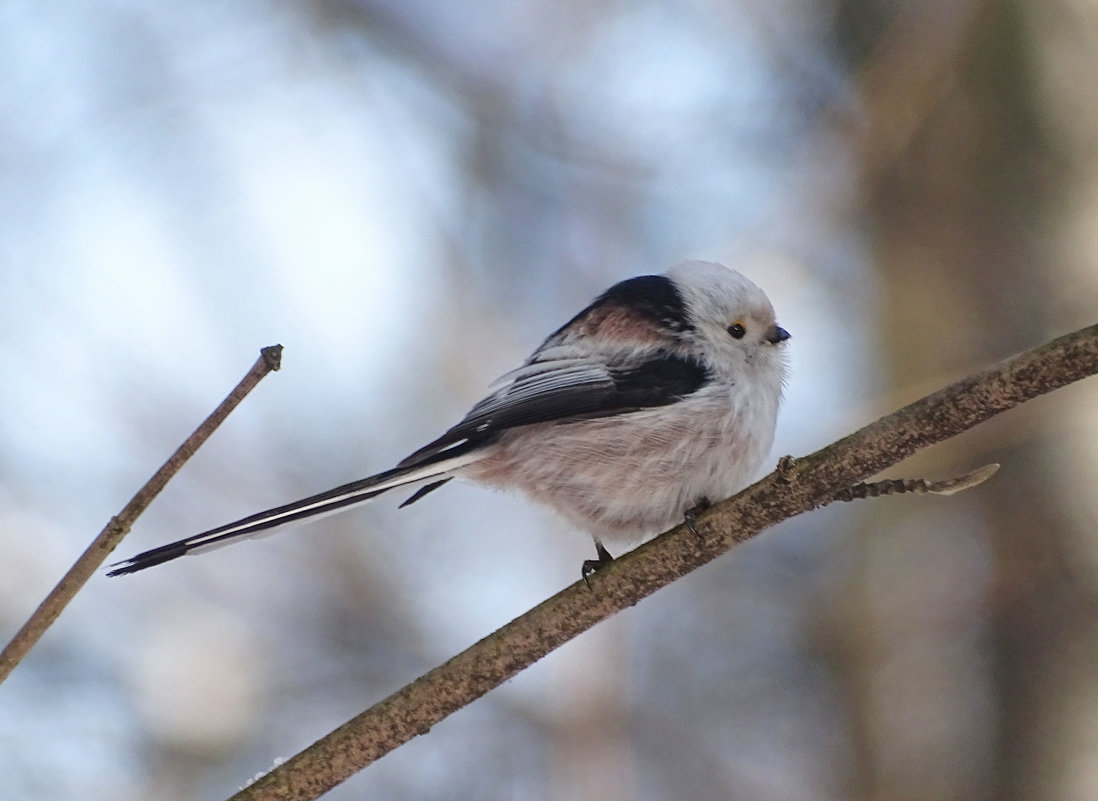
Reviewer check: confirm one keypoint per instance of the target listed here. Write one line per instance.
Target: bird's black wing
(568, 389)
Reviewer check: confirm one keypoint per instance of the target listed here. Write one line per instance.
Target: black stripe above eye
(652, 296)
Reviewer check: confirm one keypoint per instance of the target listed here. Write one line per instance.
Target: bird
(657, 399)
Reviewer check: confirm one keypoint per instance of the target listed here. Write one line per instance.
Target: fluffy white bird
(658, 398)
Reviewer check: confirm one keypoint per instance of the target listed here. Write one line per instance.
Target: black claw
(593, 565)
(689, 517)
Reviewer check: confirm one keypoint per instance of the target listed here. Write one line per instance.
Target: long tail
(326, 503)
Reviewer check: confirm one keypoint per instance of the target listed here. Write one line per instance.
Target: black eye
(737, 330)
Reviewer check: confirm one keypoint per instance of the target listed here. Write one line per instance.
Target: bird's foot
(591, 566)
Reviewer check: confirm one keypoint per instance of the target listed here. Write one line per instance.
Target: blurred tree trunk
(945, 694)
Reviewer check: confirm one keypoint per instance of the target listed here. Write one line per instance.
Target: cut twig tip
(272, 354)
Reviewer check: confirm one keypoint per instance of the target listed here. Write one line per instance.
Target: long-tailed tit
(659, 397)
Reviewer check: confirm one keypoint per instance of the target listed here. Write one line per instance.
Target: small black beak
(776, 334)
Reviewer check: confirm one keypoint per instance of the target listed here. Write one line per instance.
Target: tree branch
(270, 358)
(799, 486)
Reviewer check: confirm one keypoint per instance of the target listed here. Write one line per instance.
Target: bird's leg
(689, 517)
(592, 565)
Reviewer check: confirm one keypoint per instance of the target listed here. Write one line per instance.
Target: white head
(733, 327)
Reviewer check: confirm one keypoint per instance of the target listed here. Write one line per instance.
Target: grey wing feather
(564, 389)
(534, 393)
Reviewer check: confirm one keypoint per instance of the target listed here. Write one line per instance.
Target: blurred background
(409, 196)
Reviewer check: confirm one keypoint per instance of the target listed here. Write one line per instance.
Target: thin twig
(798, 486)
(270, 359)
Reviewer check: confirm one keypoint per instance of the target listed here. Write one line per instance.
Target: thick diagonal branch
(809, 482)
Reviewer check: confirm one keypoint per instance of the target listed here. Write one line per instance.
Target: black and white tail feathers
(325, 503)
